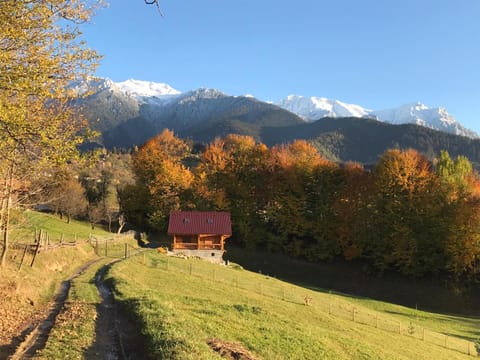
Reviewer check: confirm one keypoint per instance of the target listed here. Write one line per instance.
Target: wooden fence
(42, 242)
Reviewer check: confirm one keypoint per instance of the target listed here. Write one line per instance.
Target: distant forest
(405, 214)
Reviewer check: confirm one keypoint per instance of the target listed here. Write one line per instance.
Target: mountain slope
(364, 140)
(128, 113)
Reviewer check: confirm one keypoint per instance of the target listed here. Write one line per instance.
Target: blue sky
(374, 53)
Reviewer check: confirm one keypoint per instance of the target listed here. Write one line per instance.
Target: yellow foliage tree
(40, 54)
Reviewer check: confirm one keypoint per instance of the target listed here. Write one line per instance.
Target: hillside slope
(183, 304)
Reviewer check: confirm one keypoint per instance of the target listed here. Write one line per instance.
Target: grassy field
(181, 304)
(26, 290)
(27, 223)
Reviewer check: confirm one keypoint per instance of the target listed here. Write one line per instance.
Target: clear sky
(374, 53)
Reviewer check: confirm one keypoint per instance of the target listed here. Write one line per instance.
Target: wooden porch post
(198, 242)
(222, 239)
(174, 242)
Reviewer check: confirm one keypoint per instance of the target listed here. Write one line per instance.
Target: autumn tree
(301, 194)
(406, 233)
(40, 53)
(230, 176)
(160, 172)
(460, 189)
(351, 206)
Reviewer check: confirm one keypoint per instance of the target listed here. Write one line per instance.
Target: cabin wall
(198, 242)
(215, 256)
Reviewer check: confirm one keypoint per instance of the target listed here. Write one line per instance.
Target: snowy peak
(141, 89)
(314, 108)
(202, 93)
(420, 114)
(159, 99)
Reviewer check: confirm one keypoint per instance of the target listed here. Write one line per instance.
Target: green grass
(183, 303)
(27, 223)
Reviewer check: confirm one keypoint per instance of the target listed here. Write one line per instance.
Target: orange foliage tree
(161, 174)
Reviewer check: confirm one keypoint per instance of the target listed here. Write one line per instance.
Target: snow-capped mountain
(420, 114)
(130, 112)
(314, 108)
(146, 89)
(143, 107)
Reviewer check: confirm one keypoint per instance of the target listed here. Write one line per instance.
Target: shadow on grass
(349, 279)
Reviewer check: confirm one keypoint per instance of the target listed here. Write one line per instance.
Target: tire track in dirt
(117, 336)
(35, 336)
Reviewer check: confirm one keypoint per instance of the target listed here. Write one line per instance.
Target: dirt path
(35, 336)
(116, 335)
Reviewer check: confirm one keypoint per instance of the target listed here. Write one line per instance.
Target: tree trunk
(5, 217)
(121, 223)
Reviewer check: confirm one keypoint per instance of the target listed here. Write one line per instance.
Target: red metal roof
(199, 222)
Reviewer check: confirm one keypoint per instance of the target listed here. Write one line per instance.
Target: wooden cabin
(200, 233)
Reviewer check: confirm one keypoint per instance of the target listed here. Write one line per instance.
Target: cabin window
(213, 254)
(209, 221)
(186, 220)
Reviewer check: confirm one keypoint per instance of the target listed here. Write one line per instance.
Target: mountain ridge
(128, 117)
(163, 97)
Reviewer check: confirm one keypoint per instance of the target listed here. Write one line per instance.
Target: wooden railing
(195, 246)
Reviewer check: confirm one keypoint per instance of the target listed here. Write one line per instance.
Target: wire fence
(332, 304)
(23, 253)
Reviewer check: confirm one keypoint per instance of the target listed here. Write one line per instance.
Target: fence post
(61, 240)
(23, 257)
(353, 314)
(126, 251)
(376, 321)
(446, 338)
(106, 247)
(144, 258)
(35, 254)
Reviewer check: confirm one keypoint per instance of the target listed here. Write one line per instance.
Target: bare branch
(154, 2)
